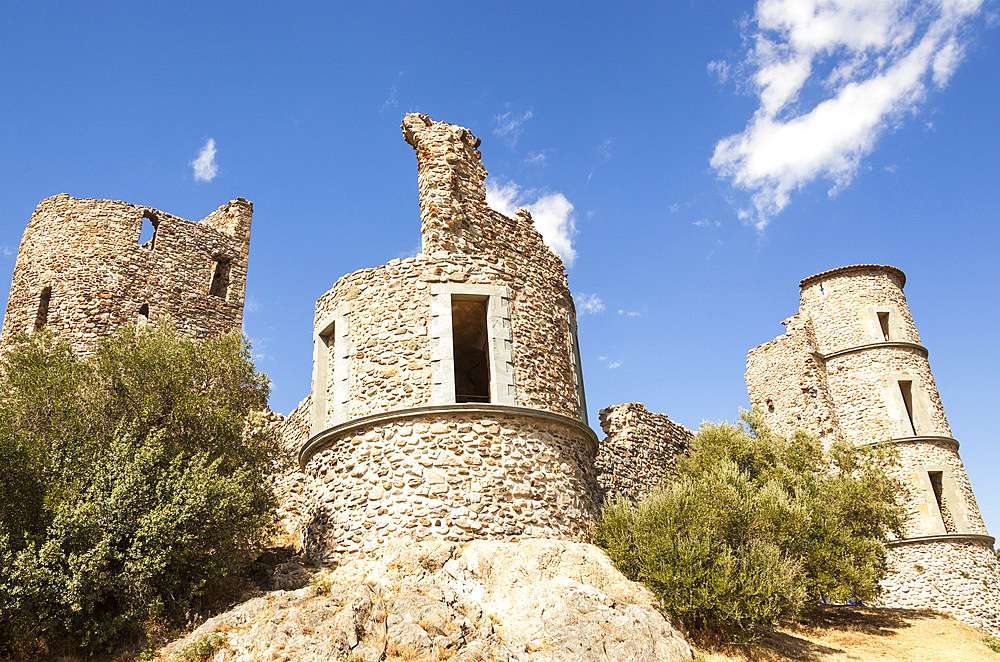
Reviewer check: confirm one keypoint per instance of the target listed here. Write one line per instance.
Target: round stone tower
(85, 268)
(851, 366)
(447, 398)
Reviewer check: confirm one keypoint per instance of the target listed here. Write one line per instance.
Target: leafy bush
(203, 648)
(753, 525)
(130, 485)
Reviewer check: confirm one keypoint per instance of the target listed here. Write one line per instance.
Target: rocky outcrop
(535, 600)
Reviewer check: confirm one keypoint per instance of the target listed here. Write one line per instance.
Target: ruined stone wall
(788, 382)
(455, 476)
(639, 450)
(86, 255)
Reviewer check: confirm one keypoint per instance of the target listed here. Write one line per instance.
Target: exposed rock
(538, 600)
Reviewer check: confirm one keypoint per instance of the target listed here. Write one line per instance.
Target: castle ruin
(447, 399)
(851, 367)
(82, 272)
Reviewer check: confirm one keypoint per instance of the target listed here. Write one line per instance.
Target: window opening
(470, 343)
(144, 312)
(937, 483)
(327, 349)
(906, 390)
(42, 317)
(220, 277)
(147, 233)
(883, 320)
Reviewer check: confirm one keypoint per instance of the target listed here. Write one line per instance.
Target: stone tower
(82, 272)
(447, 399)
(850, 366)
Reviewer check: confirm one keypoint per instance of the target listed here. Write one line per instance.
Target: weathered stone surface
(639, 450)
(538, 600)
(81, 272)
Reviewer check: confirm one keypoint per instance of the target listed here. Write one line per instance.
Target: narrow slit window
(220, 277)
(937, 483)
(906, 391)
(147, 233)
(327, 370)
(42, 317)
(471, 350)
(883, 321)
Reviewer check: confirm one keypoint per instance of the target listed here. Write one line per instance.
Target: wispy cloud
(705, 223)
(251, 305)
(509, 126)
(205, 167)
(589, 304)
(7, 250)
(719, 69)
(604, 149)
(537, 158)
(390, 100)
(831, 76)
(629, 313)
(551, 212)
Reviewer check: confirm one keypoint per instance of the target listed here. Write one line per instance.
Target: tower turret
(447, 398)
(851, 366)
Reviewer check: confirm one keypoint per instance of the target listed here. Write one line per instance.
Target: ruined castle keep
(82, 272)
(850, 366)
(447, 398)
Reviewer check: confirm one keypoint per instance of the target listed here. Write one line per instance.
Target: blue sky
(693, 162)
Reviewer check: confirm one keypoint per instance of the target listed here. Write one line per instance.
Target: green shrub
(129, 487)
(203, 648)
(753, 525)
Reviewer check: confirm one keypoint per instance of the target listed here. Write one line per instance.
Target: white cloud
(7, 250)
(720, 69)
(509, 126)
(614, 364)
(831, 76)
(251, 305)
(705, 223)
(629, 313)
(604, 149)
(551, 212)
(589, 304)
(391, 99)
(205, 167)
(539, 158)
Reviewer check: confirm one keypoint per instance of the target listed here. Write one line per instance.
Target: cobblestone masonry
(850, 366)
(385, 342)
(81, 271)
(639, 450)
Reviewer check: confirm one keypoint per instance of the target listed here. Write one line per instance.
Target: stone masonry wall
(787, 381)
(957, 578)
(87, 253)
(838, 302)
(941, 454)
(639, 451)
(454, 477)
(857, 384)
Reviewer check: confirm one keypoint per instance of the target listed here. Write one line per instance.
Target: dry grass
(863, 634)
